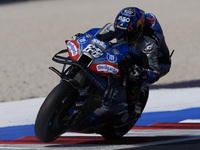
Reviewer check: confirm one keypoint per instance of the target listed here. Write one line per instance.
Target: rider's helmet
(129, 24)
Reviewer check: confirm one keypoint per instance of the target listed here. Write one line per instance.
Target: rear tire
(49, 123)
(111, 132)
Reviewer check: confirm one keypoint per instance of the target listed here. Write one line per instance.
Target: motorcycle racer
(143, 33)
(105, 88)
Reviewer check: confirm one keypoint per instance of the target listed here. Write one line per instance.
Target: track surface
(160, 135)
(174, 127)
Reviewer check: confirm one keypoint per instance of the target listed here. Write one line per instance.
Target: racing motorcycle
(92, 94)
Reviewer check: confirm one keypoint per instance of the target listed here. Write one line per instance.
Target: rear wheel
(112, 131)
(52, 117)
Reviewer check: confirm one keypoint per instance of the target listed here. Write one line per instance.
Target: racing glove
(74, 37)
(136, 72)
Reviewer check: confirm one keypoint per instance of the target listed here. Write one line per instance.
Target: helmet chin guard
(129, 24)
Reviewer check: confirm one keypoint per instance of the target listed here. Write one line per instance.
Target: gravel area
(31, 32)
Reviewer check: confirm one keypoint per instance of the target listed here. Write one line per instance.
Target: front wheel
(51, 119)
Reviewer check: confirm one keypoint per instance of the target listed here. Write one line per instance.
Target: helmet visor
(129, 37)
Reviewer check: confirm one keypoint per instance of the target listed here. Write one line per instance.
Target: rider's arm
(92, 32)
(147, 50)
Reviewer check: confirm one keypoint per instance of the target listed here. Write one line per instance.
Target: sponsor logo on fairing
(100, 43)
(82, 40)
(111, 58)
(107, 68)
(72, 47)
(115, 51)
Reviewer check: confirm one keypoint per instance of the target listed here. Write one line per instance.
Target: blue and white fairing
(97, 55)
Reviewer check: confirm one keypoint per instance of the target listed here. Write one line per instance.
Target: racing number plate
(93, 50)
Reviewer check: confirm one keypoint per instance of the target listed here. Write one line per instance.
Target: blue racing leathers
(151, 46)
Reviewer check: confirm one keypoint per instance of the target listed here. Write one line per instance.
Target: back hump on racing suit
(154, 30)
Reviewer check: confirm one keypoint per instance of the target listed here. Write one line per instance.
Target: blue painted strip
(168, 116)
(15, 132)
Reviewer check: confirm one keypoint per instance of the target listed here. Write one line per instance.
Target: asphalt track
(158, 136)
(177, 135)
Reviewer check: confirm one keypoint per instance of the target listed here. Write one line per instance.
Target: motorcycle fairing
(97, 55)
(73, 48)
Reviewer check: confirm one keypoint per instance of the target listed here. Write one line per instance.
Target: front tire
(50, 123)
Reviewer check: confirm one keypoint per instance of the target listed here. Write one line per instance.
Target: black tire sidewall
(48, 108)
